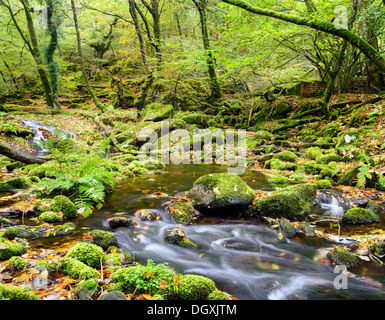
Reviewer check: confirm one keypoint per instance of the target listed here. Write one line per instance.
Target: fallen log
(17, 156)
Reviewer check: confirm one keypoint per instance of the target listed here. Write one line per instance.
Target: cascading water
(330, 204)
(39, 138)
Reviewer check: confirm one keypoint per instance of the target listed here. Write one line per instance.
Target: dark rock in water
(362, 203)
(178, 236)
(146, 215)
(286, 228)
(220, 190)
(119, 222)
(115, 295)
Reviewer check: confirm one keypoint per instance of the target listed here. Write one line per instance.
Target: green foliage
(90, 254)
(152, 279)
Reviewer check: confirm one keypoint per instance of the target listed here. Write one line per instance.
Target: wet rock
(119, 222)
(182, 211)
(359, 216)
(146, 215)
(19, 232)
(104, 239)
(114, 295)
(220, 190)
(286, 228)
(293, 203)
(178, 236)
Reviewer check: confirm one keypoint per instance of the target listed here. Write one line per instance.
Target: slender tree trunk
(100, 105)
(142, 45)
(11, 73)
(216, 92)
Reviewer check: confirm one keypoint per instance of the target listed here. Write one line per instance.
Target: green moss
(15, 293)
(46, 265)
(287, 156)
(68, 145)
(182, 211)
(293, 203)
(76, 269)
(218, 295)
(313, 152)
(115, 258)
(19, 232)
(16, 183)
(323, 184)
(50, 217)
(199, 119)
(65, 206)
(157, 112)
(220, 190)
(18, 263)
(87, 289)
(262, 135)
(9, 249)
(327, 158)
(90, 254)
(360, 216)
(64, 229)
(104, 239)
(151, 279)
(286, 228)
(278, 179)
(194, 287)
(347, 178)
(276, 164)
(344, 257)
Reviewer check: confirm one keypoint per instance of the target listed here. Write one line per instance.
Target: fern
(380, 183)
(363, 175)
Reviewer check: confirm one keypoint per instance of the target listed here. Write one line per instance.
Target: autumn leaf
(216, 191)
(162, 284)
(146, 296)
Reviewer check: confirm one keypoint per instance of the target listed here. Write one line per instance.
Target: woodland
(83, 217)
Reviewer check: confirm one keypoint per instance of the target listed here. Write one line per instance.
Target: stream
(244, 257)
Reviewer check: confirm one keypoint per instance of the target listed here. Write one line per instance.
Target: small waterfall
(332, 204)
(40, 132)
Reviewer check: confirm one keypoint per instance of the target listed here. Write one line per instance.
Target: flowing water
(245, 257)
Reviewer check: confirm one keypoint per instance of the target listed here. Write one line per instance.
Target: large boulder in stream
(219, 190)
(293, 203)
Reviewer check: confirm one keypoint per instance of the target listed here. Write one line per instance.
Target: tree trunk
(100, 105)
(142, 45)
(8, 152)
(216, 92)
(328, 27)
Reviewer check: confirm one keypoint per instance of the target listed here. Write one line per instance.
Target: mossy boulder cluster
(56, 210)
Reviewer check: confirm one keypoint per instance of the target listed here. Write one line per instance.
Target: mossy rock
(50, 217)
(313, 152)
(323, 184)
(20, 232)
(14, 166)
(158, 112)
(276, 164)
(327, 158)
(278, 179)
(378, 249)
(64, 229)
(199, 119)
(293, 203)
(76, 269)
(287, 156)
(182, 211)
(178, 237)
(89, 254)
(113, 295)
(195, 287)
(16, 293)
(349, 176)
(220, 190)
(16, 184)
(87, 289)
(18, 263)
(344, 257)
(9, 249)
(64, 205)
(360, 216)
(104, 239)
(262, 135)
(286, 228)
(218, 295)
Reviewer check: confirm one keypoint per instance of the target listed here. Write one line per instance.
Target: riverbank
(343, 155)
